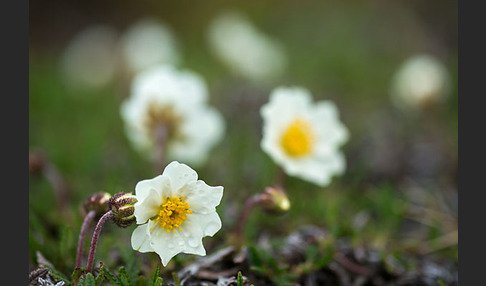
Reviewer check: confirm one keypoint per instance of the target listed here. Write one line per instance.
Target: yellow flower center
(173, 213)
(298, 139)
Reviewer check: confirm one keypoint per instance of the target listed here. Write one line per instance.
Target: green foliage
(123, 277)
(157, 280)
(87, 280)
(67, 244)
(239, 279)
(264, 263)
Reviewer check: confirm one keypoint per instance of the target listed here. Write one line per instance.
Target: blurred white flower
(147, 43)
(175, 211)
(89, 60)
(421, 80)
(303, 137)
(244, 49)
(177, 100)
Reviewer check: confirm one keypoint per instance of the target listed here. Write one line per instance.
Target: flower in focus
(303, 137)
(420, 81)
(147, 43)
(175, 211)
(177, 101)
(88, 60)
(244, 49)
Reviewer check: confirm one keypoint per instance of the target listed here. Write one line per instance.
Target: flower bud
(122, 206)
(98, 203)
(274, 199)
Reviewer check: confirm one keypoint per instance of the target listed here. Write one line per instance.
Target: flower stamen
(173, 213)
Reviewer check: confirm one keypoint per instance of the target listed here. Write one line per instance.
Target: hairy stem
(94, 240)
(84, 227)
(240, 226)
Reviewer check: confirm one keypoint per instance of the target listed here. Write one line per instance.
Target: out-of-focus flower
(177, 100)
(175, 211)
(147, 43)
(244, 49)
(88, 60)
(421, 80)
(303, 137)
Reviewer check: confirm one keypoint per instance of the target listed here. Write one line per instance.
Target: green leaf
(158, 281)
(123, 277)
(87, 280)
(106, 273)
(77, 273)
(58, 276)
(156, 275)
(239, 279)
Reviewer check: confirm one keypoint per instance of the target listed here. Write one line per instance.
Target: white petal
(148, 207)
(166, 244)
(317, 170)
(285, 104)
(201, 130)
(179, 176)
(203, 198)
(326, 123)
(160, 184)
(192, 235)
(209, 223)
(141, 239)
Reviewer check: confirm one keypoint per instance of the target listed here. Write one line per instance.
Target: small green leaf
(123, 278)
(77, 273)
(58, 276)
(239, 279)
(156, 275)
(158, 281)
(107, 274)
(87, 280)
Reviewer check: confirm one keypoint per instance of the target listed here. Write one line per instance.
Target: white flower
(244, 49)
(303, 137)
(88, 60)
(175, 211)
(147, 43)
(177, 99)
(421, 80)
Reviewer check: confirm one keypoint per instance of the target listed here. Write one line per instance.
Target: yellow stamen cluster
(173, 213)
(298, 139)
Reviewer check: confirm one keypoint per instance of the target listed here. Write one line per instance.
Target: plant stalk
(94, 240)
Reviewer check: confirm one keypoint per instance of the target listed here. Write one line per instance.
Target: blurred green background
(399, 192)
